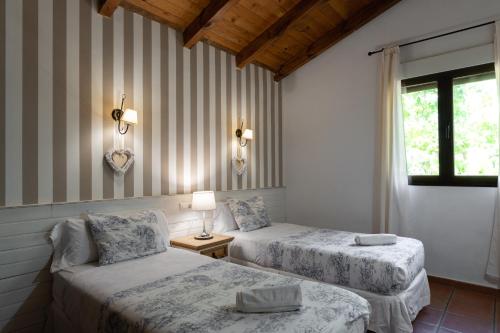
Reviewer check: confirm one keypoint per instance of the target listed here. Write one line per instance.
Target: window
(451, 127)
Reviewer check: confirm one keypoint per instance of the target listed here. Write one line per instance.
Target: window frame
(447, 177)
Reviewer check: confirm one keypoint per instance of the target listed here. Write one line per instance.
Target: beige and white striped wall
(63, 68)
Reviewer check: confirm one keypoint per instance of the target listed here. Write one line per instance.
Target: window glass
(420, 110)
(475, 122)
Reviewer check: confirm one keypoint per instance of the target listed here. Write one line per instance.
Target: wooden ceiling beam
(195, 30)
(344, 29)
(248, 53)
(146, 9)
(108, 7)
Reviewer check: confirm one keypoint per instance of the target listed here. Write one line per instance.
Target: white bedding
(178, 291)
(332, 256)
(390, 313)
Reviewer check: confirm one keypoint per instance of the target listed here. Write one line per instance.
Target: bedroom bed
(179, 291)
(392, 278)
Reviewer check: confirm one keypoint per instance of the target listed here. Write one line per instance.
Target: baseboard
(465, 285)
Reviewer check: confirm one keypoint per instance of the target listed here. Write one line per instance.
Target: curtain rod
(438, 36)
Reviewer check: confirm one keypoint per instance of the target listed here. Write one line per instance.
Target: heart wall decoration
(239, 165)
(120, 160)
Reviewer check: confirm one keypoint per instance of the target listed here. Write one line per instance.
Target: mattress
(179, 291)
(331, 256)
(389, 313)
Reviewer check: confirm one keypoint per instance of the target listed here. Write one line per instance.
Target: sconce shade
(203, 200)
(129, 116)
(248, 134)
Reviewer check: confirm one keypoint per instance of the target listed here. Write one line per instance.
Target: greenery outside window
(451, 127)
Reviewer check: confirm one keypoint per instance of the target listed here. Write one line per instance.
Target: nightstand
(216, 247)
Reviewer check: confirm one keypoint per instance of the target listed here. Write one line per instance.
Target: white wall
(331, 125)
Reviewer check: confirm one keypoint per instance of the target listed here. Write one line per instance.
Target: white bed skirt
(390, 314)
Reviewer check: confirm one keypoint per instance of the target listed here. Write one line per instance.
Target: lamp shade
(129, 116)
(248, 134)
(203, 200)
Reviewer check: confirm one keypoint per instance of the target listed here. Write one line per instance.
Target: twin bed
(391, 277)
(345, 288)
(179, 291)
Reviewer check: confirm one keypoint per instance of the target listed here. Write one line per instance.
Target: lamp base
(203, 236)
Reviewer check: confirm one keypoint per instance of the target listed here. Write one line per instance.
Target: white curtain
(394, 191)
(493, 268)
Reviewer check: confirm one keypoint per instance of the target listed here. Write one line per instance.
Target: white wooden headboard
(25, 250)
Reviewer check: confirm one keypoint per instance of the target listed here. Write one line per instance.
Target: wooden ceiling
(281, 35)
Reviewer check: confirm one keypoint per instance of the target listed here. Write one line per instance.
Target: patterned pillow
(249, 214)
(123, 238)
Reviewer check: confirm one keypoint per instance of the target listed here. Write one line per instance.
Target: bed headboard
(25, 250)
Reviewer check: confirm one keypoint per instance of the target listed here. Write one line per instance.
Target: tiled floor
(453, 310)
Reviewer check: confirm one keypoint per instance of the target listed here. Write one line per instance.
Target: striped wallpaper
(63, 68)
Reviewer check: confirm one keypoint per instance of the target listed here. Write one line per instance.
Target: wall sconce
(128, 117)
(247, 135)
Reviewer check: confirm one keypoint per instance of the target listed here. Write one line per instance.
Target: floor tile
(472, 304)
(466, 324)
(421, 327)
(440, 294)
(429, 315)
(497, 316)
(445, 330)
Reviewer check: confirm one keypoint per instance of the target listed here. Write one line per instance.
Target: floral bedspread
(202, 300)
(332, 256)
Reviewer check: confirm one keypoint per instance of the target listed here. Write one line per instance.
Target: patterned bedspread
(202, 300)
(331, 256)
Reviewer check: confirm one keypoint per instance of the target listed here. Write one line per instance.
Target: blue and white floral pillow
(249, 214)
(122, 238)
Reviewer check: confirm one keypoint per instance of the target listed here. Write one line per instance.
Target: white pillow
(73, 245)
(162, 221)
(223, 219)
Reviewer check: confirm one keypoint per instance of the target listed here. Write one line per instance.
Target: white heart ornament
(120, 160)
(239, 165)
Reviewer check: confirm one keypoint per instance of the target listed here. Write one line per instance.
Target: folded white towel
(272, 299)
(376, 239)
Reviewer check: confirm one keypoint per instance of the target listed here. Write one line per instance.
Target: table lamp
(203, 201)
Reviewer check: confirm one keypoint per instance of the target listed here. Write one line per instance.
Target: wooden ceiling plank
(344, 29)
(108, 7)
(213, 38)
(244, 19)
(284, 5)
(248, 53)
(236, 40)
(287, 47)
(253, 18)
(196, 29)
(271, 62)
(191, 8)
(260, 43)
(340, 8)
(265, 10)
(328, 16)
(147, 10)
(311, 26)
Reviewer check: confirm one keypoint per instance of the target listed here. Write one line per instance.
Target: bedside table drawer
(216, 252)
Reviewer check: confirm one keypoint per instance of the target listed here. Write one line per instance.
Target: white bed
(391, 278)
(179, 291)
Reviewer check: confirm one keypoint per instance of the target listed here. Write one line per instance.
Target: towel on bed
(271, 299)
(376, 239)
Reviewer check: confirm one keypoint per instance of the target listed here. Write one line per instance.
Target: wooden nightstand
(216, 247)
